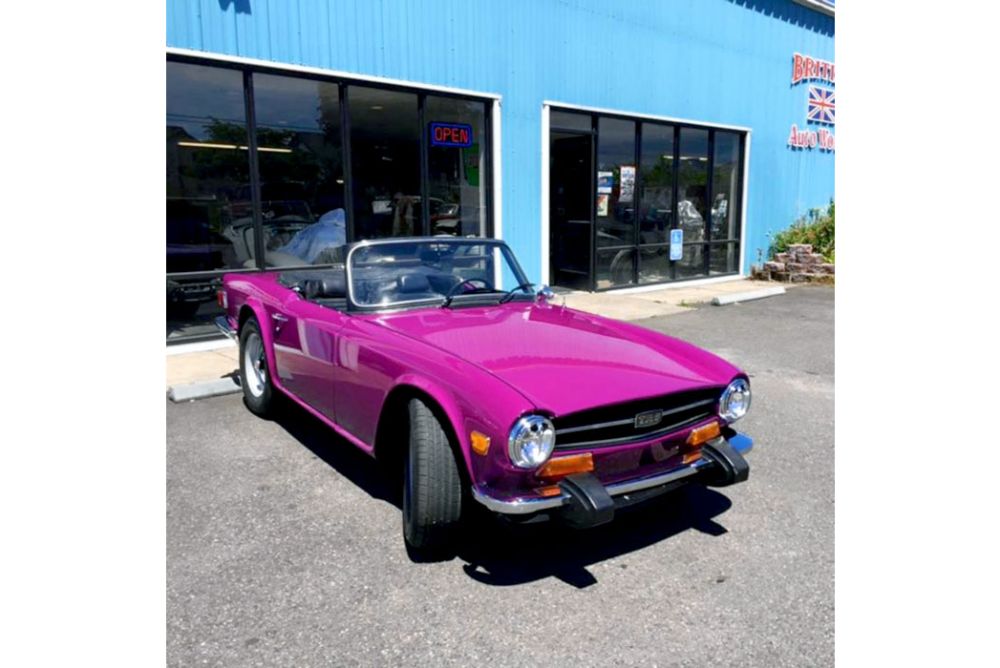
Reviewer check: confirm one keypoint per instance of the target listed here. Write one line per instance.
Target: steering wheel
(471, 285)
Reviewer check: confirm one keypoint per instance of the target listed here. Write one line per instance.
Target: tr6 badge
(648, 419)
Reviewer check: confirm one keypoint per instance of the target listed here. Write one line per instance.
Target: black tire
(258, 392)
(432, 487)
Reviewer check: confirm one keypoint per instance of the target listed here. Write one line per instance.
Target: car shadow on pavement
(335, 450)
(499, 553)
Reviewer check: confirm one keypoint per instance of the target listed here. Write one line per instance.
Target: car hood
(563, 360)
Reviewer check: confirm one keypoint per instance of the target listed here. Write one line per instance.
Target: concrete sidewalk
(659, 302)
(190, 368)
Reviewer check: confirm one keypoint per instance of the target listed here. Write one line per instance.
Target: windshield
(392, 274)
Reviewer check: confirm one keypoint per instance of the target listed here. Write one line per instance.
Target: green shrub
(816, 228)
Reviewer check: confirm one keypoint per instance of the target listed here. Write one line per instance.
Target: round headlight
(531, 441)
(735, 401)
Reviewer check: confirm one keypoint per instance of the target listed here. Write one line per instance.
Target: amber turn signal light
(480, 443)
(563, 466)
(691, 457)
(551, 490)
(703, 434)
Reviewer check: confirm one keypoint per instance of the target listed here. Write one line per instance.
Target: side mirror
(545, 294)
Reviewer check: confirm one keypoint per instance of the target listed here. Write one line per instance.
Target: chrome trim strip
(633, 438)
(222, 324)
(518, 506)
(616, 423)
(627, 486)
(523, 506)
(599, 425)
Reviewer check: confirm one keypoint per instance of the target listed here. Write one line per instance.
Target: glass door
(570, 223)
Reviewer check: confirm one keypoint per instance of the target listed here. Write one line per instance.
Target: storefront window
(207, 165)
(207, 170)
(615, 268)
(726, 186)
(385, 162)
(685, 179)
(456, 164)
(300, 158)
(657, 180)
(654, 264)
(692, 199)
(724, 258)
(616, 172)
(692, 263)
(309, 178)
(569, 121)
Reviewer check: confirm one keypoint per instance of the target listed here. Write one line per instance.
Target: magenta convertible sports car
(436, 356)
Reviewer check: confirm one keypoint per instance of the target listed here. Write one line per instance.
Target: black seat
(329, 284)
(410, 283)
(319, 288)
(414, 286)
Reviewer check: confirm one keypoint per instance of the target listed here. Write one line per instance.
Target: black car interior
(326, 287)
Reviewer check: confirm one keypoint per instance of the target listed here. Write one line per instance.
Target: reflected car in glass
(436, 356)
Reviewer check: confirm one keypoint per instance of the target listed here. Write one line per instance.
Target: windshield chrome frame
(413, 303)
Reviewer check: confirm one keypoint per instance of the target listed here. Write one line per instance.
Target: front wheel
(432, 486)
(258, 392)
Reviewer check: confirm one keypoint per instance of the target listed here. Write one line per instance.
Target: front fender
(256, 306)
(452, 408)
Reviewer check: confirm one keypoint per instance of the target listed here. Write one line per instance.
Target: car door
(305, 351)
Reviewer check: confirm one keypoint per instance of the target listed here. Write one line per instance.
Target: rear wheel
(258, 393)
(432, 486)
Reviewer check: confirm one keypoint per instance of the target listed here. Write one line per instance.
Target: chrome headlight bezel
(531, 442)
(735, 400)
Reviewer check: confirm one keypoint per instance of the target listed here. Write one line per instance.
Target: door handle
(279, 320)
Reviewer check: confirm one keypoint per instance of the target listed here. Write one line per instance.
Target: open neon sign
(451, 134)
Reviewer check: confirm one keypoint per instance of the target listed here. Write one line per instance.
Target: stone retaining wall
(798, 264)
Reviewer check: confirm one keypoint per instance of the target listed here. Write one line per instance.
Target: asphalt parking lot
(284, 549)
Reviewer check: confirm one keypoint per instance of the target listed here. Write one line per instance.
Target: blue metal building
(714, 117)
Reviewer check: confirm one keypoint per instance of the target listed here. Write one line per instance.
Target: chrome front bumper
(525, 506)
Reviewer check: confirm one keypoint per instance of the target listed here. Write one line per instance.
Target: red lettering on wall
(798, 70)
(807, 67)
(826, 140)
(806, 138)
(793, 137)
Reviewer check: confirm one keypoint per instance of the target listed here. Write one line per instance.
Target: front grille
(614, 424)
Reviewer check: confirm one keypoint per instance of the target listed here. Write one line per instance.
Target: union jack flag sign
(822, 102)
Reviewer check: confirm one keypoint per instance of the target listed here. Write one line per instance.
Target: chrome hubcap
(253, 362)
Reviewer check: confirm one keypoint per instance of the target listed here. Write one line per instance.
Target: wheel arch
(392, 433)
(256, 310)
(245, 312)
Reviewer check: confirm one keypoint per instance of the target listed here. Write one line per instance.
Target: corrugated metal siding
(722, 61)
